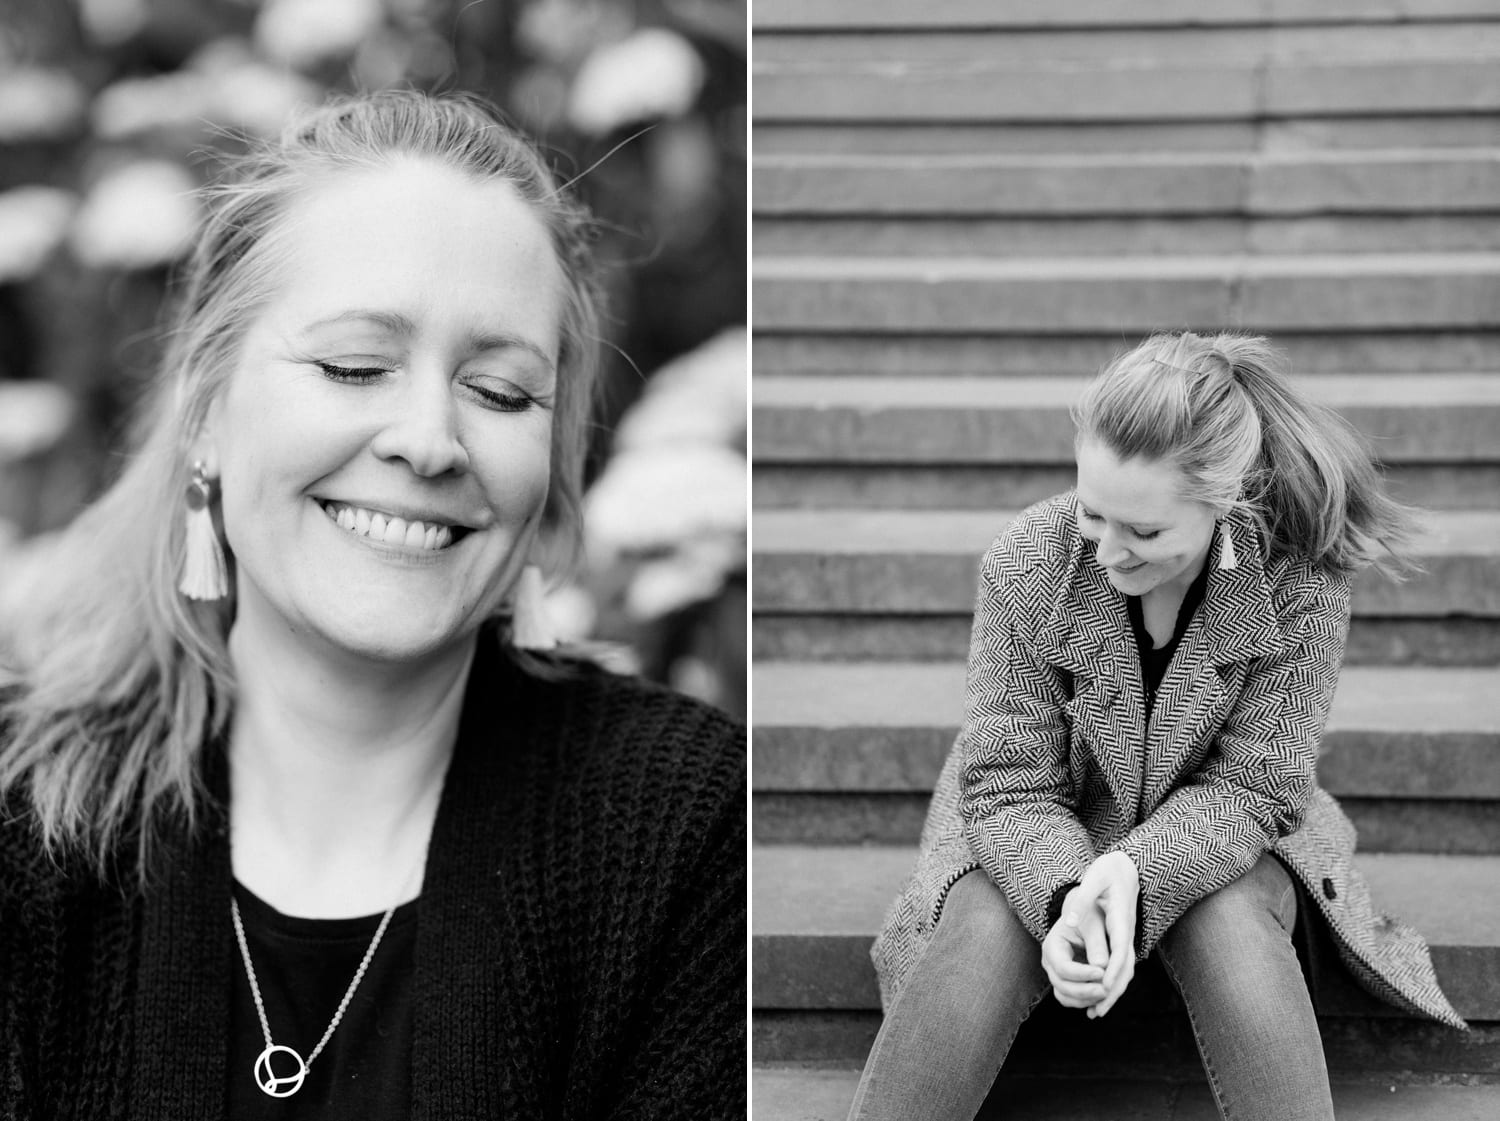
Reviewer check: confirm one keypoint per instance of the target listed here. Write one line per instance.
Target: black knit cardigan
(580, 944)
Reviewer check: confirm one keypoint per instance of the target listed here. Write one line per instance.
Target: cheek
(516, 472)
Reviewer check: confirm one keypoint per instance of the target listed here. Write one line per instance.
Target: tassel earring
(1227, 558)
(204, 573)
(530, 626)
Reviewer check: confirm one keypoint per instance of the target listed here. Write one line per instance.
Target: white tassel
(1227, 558)
(205, 576)
(530, 626)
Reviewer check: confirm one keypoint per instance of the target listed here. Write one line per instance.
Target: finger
(1077, 971)
(1121, 927)
(1095, 943)
(1078, 996)
(1113, 995)
(1057, 960)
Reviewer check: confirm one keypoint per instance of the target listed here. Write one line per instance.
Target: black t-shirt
(303, 967)
(1154, 662)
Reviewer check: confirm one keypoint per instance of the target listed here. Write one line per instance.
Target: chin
(1131, 583)
(396, 640)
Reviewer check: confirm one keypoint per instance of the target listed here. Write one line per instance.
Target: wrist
(1055, 904)
(1117, 862)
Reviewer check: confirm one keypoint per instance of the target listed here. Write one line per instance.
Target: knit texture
(580, 948)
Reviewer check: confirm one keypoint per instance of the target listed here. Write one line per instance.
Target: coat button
(1328, 890)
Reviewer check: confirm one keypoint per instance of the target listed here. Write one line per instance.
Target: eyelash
(1155, 533)
(363, 375)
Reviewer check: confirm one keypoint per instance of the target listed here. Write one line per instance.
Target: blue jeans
(1230, 956)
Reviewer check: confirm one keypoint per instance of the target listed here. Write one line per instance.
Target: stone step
(1090, 295)
(981, 351)
(849, 753)
(1131, 89)
(1151, 183)
(1149, 236)
(816, 908)
(920, 486)
(1309, 133)
(872, 636)
(968, 15)
(1448, 418)
(784, 1092)
(1402, 732)
(1159, 44)
(910, 562)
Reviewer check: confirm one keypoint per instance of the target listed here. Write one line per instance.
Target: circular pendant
(279, 1085)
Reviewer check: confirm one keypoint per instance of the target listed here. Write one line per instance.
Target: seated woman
(1153, 659)
(287, 812)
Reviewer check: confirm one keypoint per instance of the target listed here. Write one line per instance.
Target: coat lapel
(1236, 622)
(1086, 635)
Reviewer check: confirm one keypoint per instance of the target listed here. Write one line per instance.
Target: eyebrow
(396, 323)
(1136, 527)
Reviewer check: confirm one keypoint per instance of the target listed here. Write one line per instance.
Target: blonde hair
(116, 681)
(1223, 411)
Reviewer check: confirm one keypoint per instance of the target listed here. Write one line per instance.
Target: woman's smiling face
(384, 443)
(1147, 535)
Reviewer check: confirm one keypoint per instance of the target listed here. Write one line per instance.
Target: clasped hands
(1098, 918)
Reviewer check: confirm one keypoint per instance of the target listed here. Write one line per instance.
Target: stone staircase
(961, 209)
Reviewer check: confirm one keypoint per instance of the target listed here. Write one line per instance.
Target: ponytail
(1223, 410)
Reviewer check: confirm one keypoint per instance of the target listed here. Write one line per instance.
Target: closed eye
(1090, 516)
(355, 374)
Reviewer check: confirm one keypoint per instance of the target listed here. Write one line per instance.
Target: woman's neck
(336, 768)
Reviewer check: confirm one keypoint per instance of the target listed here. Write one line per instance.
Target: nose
(1111, 552)
(423, 428)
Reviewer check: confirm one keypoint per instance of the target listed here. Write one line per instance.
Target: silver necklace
(285, 1085)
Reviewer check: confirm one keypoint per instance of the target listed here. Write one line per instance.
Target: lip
(1128, 571)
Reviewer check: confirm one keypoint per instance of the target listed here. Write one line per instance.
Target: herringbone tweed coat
(1055, 764)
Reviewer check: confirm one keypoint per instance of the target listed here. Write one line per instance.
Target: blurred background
(113, 111)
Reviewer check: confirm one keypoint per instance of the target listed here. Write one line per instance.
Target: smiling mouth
(388, 529)
(1134, 568)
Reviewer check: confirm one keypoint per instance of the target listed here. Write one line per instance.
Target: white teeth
(389, 529)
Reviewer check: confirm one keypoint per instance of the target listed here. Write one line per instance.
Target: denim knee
(1233, 948)
(1266, 889)
(982, 946)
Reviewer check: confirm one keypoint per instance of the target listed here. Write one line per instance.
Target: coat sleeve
(1017, 798)
(1255, 784)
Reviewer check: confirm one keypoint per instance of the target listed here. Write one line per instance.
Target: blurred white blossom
(303, 32)
(698, 397)
(136, 216)
(671, 502)
(33, 417)
(651, 73)
(33, 222)
(222, 85)
(653, 498)
(249, 94)
(692, 573)
(562, 30)
(135, 105)
(38, 104)
(111, 22)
